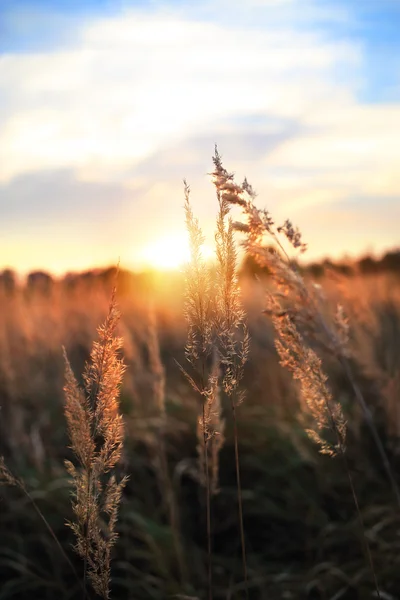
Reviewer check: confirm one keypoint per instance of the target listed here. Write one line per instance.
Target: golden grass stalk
(216, 331)
(95, 430)
(211, 426)
(293, 306)
(199, 313)
(327, 414)
(198, 298)
(317, 400)
(292, 294)
(230, 319)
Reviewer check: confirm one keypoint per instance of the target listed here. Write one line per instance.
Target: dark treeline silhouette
(366, 265)
(43, 282)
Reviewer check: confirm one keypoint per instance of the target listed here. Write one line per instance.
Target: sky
(107, 105)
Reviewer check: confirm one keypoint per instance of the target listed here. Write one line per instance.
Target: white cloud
(141, 98)
(349, 149)
(136, 82)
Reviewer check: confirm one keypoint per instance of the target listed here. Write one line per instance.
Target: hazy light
(170, 252)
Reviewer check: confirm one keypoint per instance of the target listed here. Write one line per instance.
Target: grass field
(303, 535)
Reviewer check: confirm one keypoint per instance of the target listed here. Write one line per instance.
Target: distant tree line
(43, 282)
(367, 265)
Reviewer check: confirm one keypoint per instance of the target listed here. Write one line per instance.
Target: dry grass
(296, 528)
(95, 430)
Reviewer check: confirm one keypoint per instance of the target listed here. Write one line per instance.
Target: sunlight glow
(170, 252)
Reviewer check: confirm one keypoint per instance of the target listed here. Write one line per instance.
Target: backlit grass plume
(317, 400)
(200, 313)
(230, 317)
(270, 245)
(200, 352)
(198, 302)
(96, 433)
(211, 428)
(294, 308)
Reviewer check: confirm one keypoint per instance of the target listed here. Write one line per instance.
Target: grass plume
(292, 306)
(230, 320)
(199, 313)
(96, 434)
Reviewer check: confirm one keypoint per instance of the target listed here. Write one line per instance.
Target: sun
(169, 252)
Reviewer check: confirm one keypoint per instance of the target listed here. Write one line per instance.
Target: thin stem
(361, 522)
(85, 560)
(49, 528)
(364, 539)
(372, 427)
(208, 503)
(239, 496)
(167, 486)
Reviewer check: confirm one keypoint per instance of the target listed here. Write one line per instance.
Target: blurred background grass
(302, 532)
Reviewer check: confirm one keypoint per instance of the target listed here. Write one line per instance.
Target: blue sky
(106, 105)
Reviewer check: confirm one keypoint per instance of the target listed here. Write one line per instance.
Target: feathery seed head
(96, 432)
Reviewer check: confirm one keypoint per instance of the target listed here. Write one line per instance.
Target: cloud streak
(114, 119)
(135, 82)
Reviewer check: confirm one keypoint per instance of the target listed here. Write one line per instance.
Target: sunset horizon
(107, 106)
(200, 299)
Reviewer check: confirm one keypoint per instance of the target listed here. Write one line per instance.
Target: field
(199, 379)
(302, 532)
(226, 432)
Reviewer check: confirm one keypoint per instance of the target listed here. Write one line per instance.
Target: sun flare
(170, 252)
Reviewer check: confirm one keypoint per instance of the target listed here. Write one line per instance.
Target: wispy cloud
(136, 100)
(135, 82)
